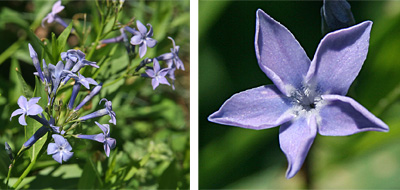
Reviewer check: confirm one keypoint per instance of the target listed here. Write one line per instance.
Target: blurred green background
(236, 158)
(152, 130)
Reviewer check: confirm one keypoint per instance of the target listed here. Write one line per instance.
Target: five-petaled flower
(157, 74)
(108, 142)
(143, 38)
(52, 16)
(61, 149)
(307, 96)
(27, 108)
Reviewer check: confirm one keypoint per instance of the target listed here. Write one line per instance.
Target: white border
(194, 124)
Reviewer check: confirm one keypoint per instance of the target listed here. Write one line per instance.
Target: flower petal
(34, 110)
(150, 73)
(142, 29)
(67, 155)
(165, 56)
(58, 139)
(17, 112)
(344, 116)
(163, 80)
(258, 108)
(57, 7)
(142, 49)
(339, 58)
(106, 149)
(21, 119)
(154, 83)
(136, 40)
(279, 54)
(295, 139)
(104, 127)
(33, 101)
(57, 157)
(22, 102)
(52, 148)
(156, 66)
(151, 42)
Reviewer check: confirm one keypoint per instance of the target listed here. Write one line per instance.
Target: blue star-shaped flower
(143, 38)
(157, 74)
(109, 143)
(61, 149)
(307, 96)
(172, 57)
(52, 16)
(27, 108)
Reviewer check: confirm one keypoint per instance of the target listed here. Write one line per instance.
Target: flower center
(305, 99)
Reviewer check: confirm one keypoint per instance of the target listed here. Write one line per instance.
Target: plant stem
(30, 166)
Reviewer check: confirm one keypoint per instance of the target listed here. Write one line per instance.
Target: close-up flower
(307, 96)
(143, 38)
(60, 149)
(156, 74)
(27, 108)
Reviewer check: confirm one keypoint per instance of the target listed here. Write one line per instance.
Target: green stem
(30, 166)
(13, 163)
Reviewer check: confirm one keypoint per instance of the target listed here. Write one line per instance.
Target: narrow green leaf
(62, 39)
(88, 178)
(33, 125)
(20, 81)
(38, 45)
(54, 48)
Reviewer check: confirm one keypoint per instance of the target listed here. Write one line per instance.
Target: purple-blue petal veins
(307, 96)
(35, 137)
(60, 149)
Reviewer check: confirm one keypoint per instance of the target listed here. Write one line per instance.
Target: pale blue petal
(21, 119)
(339, 59)
(57, 157)
(67, 155)
(34, 110)
(52, 148)
(154, 83)
(22, 102)
(295, 139)
(17, 112)
(151, 42)
(142, 49)
(343, 116)
(258, 108)
(279, 54)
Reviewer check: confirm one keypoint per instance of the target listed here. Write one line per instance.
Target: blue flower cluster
(54, 77)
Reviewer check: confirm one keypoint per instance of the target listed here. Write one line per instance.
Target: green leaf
(33, 125)
(16, 75)
(38, 46)
(62, 39)
(18, 85)
(10, 16)
(54, 48)
(88, 178)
